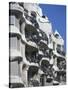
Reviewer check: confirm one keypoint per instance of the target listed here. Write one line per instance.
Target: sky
(57, 16)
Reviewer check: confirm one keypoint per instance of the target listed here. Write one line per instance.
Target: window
(12, 20)
(59, 47)
(26, 15)
(44, 36)
(18, 44)
(50, 38)
(26, 10)
(14, 68)
(62, 47)
(43, 16)
(33, 14)
(56, 35)
(21, 4)
(13, 42)
(22, 27)
(54, 45)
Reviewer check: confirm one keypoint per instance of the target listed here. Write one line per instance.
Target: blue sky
(57, 16)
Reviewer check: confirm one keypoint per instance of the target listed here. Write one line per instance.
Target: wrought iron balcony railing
(43, 39)
(32, 60)
(60, 52)
(32, 38)
(32, 20)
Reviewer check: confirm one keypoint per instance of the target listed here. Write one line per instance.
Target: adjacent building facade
(37, 56)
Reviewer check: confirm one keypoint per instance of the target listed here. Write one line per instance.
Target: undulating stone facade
(37, 56)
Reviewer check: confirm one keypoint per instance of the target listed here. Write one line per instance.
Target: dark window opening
(33, 14)
(54, 45)
(43, 16)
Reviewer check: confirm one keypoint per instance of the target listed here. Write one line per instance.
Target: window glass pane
(14, 68)
(13, 42)
(12, 20)
(50, 38)
(22, 28)
(26, 10)
(18, 44)
(33, 14)
(59, 47)
(62, 48)
(21, 49)
(54, 45)
(17, 23)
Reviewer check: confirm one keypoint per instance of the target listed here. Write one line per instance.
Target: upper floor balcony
(44, 24)
(32, 59)
(61, 64)
(62, 57)
(31, 41)
(57, 39)
(45, 56)
(30, 29)
(14, 31)
(50, 46)
(31, 54)
(15, 55)
(15, 9)
(32, 44)
(40, 52)
(15, 81)
(60, 52)
(44, 63)
(62, 67)
(15, 48)
(32, 71)
(31, 19)
(43, 43)
(43, 40)
(31, 36)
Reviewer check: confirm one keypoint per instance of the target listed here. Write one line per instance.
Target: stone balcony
(43, 39)
(16, 9)
(60, 52)
(14, 31)
(32, 60)
(30, 20)
(15, 55)
(15, 81)
(44, 24)
(59, 55)
(41, 53)
(32, 44)
(44, 62)
(43, 43)
(32, 41)
(50, 46)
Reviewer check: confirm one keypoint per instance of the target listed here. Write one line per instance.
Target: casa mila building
(36, 53)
